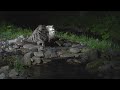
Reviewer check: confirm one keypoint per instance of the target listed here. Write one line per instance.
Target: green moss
(94, 65)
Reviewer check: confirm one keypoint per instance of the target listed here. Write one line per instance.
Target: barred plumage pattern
(40, 33)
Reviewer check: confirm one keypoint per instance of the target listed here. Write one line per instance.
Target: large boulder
(36, 60)
(13, 74)
(75, 50)
(46, 60)
(2, 76)
(10, 49)
(27, 58)
(30, 46)
(73, 61)
(50, 53)
(91, 54)
(4, 69)
(39, 54)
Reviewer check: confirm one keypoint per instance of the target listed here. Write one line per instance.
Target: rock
(65, 55)
(1, 50)
(34, 49)
(76, 45)
(73, 61)
(50, 53)
(105, 68)
(85, 50)
(40, 48)
(18, 52)
(67, 44)
(13, 74)
(2, 76)
(9, 49)
(83, 57)
(24, 50)
(39, 54)
(93, 54)
(75, 50)
(62, 51)
(20, 40)
(27, 58)
(36, 60)
(13, 41)
(16, 46)
(30, 46)
(113, 53)
(46, 60)
(4, 69)
(59, 43)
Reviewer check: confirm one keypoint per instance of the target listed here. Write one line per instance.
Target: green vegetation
(91, 42)
(8, 31)
(18, 65)
(105, 24)
(14, 62)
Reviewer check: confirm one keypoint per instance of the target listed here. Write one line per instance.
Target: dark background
(33, 18)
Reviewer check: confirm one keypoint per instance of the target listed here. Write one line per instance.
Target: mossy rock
(94, 65)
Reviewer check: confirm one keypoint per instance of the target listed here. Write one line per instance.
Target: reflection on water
(59, 70)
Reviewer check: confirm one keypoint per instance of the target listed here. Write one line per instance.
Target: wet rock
(59, 43)
(13, 74)
(50, 53)
(46, 60)
(105, 68)
(85, 50)
(36, 60)
(83, 57)
(34, 49)
(9, 49)
(67, 44)
(39, 54)
(20, 40)
(73, 61)
(24, 50)
(30, 46)
(27, 58)
(113, 53)
(40, 48)
(93, 54)
(75, 50)
(1, 50)
(16, 46)
(18, 52)
(13, 41)
(62, 51)
(65, 55)
(4, 69)
(2, 76)
(76, 45)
